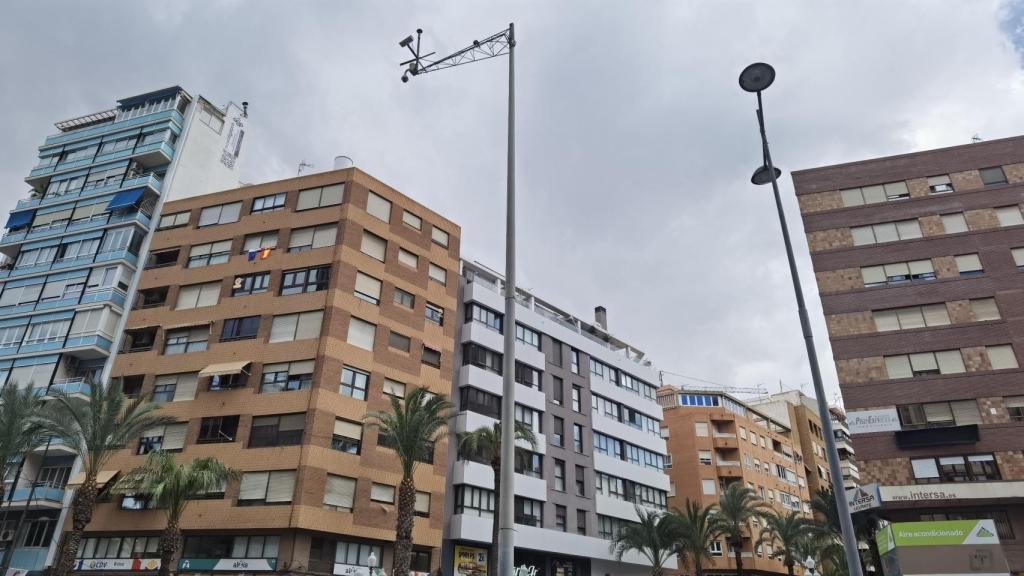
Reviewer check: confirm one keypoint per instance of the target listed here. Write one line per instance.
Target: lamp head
(757, 77)
(763, 176)
(405, 42)
(405, 77)
(372, 560)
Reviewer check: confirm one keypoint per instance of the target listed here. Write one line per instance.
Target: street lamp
(756, 78)
(371, 562)
(809, 564)
(499, 44)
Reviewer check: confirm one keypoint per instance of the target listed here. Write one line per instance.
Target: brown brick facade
(850, 324)
(966, 181)
(821, 201)
(822, 240)
(858, 370)
(839, 280)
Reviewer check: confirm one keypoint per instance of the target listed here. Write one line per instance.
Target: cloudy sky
(635, 144)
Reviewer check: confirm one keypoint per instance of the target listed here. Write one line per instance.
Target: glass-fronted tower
(68, 265)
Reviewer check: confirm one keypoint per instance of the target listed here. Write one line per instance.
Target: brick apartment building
(269, 320)
(716, 440)
(918, 260)
(799, 412)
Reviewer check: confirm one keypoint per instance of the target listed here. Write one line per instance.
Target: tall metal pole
(506, 496)
(845, 522)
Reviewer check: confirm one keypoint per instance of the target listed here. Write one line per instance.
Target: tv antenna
(303, 165)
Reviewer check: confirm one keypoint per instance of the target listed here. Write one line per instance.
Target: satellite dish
(757, 77)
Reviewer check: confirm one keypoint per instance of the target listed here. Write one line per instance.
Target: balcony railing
(924, 437)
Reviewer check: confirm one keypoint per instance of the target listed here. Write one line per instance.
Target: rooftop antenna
(302, 165)
(245, 109)
(977, 138)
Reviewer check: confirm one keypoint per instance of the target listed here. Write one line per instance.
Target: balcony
(68, 263)
(150, 181)
(724, 440)
(42, 497)
(944, 436)
(729, 469)
(79, 387)
(56, 447)
(63, 227)
(73, 135)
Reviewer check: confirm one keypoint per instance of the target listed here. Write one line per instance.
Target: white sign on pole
(866, 421)
(864, 497)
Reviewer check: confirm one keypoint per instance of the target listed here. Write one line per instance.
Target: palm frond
(413, 425)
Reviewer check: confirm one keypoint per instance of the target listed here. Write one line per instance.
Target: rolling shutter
(873, 274)
(281, 486)
(283, 327)
(379, 207)
(253, 486)
(423, 502)
(373, 246)
(368, 285)
(340, 491)
(347, 429)
(950, 361)
(966, 412)
(309, 325)
(174, 436)
(325, 236)
(186, 387)
(885, 320)
(1001, 357)
(898, 367)
(935, 315)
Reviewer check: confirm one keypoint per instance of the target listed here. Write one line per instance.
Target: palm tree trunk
(876, 558)
(492, 558)
(81, 514)
(403, 526)
(789, 568)
(657, 571)
(738, 553)
(698, 567)
(170, 541)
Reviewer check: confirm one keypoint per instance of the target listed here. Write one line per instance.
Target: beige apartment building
(269, 320)
(799, 412)
(715, 440)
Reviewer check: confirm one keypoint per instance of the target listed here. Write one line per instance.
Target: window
(393, 388)
(1009, 215)
(874, 194)
(17, 295)
(287, 376)
(116, 547)
(217, 546)
(250, 284)
(296, 326)
(474, 501)
(528, 416)
(924, 364)
(581, 481)
(259, 241)
(486, 316)
(174, 220)
(558, 434)
(367, 288)
(529, 463)
(312, 237)
(886, 232)
(529, 512)
(985, 309)
(228, 381)
(897, 272)
(209, 254)
(581, 522)
(305, 280)
(972, 468)
(382, 493)
(353, 383)
(36, 257)
(704, 457)
(474, 400)
(270, 203)
(969, 265)
(556, 353)
(319, 197)
(373, 246)
(283, 430)
(169, 438)
(911, 317)
(348, 436)
(527, 336)
(240, 328)
(403, 298)
(939, 184)
(1018, 257)
(1001, 357)
(954, 223)
(434, 313)
(399, 341)
(175, 387)
(339, 493)
(476, 355)
(708, 487)
(992, 176)
(408, 258)
(438, 274)
(378, 207)
(938, 414)
(361, 333)
(422, 508)
(1015, 407)
(557, 390)
(701, 429)
(412, 220)
(42, 332)
(439, 236)
(560, 513)
(577, 438)
(217, 429)
(222, 214)
(259, 488)
(527, 376)
(186, 340)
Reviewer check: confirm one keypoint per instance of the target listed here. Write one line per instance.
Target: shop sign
(118, 564)
(867, 421)
(228, 564)
(470, 561)
(864, 497)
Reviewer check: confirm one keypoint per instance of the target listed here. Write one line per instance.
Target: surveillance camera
(419, 30)
(405, 77)
(405, 42)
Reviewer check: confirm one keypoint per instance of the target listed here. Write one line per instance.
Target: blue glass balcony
(127, 256)
(150, 180)
(65, 226)
(29, 558)
(66, 137)
(71, 386)
(42, 497)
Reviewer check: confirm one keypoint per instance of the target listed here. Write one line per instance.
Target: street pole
(506, 496)
(759, 83)
(499, 44)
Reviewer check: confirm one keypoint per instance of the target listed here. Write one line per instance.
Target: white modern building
(847, 456)
(69, 260)
(590, 399)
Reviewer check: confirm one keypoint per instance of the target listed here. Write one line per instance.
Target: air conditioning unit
(6, 535)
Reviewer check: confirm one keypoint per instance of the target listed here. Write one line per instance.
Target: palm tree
(172, 486)
(655, 536)
(411, 428)
(95, 428)
(865, 524)
(696, 533)
(785, 533)
(484, 445)
(736, 507)
(19, 431)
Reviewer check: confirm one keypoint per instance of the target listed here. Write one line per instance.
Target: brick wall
(829, 239)
(966, 181)
(850, 323)
(859, 370)
(820, 201)
(839, 280)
